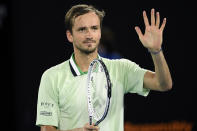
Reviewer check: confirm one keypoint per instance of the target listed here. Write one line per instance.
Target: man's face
(86, 33)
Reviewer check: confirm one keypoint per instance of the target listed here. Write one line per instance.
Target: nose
(89, 33)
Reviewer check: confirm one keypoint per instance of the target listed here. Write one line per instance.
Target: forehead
(86, 20)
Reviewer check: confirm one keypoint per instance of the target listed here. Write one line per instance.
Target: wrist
(155, 52)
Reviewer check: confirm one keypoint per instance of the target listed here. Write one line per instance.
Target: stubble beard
(87, 51)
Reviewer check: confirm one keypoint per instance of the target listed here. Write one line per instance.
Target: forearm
(77, 129)
(86, 127)
(162, 72)
(51, 128)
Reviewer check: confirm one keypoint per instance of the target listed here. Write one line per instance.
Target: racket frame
(89, 99)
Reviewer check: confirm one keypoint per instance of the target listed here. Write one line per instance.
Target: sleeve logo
(45, 113)
(46, 104)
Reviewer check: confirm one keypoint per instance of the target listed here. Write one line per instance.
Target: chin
(89, 51)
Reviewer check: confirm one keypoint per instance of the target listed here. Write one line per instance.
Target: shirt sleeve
(133, 78)
(47, 104)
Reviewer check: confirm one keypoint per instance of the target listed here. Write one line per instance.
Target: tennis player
(62, 97)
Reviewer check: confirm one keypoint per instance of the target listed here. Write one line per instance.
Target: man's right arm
(52, 128)
(86, 127)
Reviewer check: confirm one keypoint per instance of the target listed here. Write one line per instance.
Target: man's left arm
(159, 80)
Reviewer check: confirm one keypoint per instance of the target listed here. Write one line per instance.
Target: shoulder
(57, 69)
(122, 65)
(118, 62)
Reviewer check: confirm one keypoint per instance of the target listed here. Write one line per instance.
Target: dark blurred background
(33, 39)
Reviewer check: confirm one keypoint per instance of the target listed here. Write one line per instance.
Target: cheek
(76, 37)
(98, 36)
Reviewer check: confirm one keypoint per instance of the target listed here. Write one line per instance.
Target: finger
(96, 128)
(153, 17)
(91, 127)
(157, 19)
(163, 24)
(139, 32)
(145, 19)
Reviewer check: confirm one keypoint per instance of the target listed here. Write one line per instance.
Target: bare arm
(86, 127)
(52, 128)
(159, 80)
(48, 128)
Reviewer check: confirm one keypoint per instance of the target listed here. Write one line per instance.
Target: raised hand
(153, 36)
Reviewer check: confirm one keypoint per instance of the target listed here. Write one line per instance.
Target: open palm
(152, 38)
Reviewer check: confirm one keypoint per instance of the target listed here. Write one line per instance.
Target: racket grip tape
(90, 120)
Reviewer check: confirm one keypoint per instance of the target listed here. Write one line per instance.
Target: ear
(69, 36)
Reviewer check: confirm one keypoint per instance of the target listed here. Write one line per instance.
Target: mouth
(89, 44)
(89, 41)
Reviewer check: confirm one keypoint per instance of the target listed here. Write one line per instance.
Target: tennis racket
(98, 91)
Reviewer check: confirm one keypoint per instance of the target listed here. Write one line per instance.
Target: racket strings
(98, 91)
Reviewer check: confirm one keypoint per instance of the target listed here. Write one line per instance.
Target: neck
(83, 60)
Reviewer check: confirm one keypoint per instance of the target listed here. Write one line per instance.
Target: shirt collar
(76, 71)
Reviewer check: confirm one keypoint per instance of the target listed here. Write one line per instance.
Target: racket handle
(90, 120)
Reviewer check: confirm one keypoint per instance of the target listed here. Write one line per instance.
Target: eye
(95, 28)
(82, 29)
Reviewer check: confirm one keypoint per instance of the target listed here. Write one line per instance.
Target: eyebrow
(95, 26)
(84, 27)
